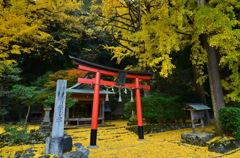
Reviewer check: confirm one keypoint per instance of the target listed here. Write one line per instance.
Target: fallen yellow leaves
(117, 142)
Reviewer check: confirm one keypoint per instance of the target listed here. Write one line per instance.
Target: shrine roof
(85, 89)
(77, 88)
(78, 61)
(196, 106)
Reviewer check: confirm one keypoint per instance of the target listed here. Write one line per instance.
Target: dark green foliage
(160, 108)
(230, 121)
(70, 102)
(8, 74)
(24, 95)
(16, 134)
(19, 135)
(3, 111)
(40, 81)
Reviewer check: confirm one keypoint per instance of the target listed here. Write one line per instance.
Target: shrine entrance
(120, 83)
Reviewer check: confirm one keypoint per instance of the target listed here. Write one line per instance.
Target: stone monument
(46, 126)
(58, 143)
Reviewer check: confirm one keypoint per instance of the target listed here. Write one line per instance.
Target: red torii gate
(122, 75)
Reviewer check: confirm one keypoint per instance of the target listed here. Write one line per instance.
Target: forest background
(192, 45)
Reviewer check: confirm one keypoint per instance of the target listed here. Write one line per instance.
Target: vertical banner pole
(139, 111)
(94, 125)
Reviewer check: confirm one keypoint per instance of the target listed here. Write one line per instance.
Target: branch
(121, 43)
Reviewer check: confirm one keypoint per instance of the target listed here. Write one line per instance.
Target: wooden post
(202, 124)
(192, 119)
(66, 115)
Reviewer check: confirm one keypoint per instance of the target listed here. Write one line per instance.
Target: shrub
(160, 108)
(230, 121)
(16, 134)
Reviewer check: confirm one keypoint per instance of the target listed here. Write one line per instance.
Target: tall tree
(166, 26)
(26, 96)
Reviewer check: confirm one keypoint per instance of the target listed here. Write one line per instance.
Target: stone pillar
(57, 144)
(59, 109)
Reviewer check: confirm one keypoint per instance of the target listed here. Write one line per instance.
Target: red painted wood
(86, 80)
(138, 104)
(96, 102)
(110, 83)
(112, 73)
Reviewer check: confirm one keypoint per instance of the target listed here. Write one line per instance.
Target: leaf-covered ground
(117, 142)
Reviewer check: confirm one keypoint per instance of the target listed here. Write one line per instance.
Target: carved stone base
(59, 145)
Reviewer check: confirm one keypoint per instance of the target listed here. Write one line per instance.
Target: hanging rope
(125, 90)
(119, 92)
(131, 100)
(107, 98)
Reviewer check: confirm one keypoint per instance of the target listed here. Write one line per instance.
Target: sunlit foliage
(141, 29)
(152, 30)
(25, 25)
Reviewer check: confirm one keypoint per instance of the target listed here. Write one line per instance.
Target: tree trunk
(215, 83)
(1, 98)
(200, 91)
(214, 79)
(1, 93)
(146, 92)
(29, 107)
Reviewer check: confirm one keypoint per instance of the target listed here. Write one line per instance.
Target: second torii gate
(122, 75)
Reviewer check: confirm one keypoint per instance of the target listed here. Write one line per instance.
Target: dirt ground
(117, 142)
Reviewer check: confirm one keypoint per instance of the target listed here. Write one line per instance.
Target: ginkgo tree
(151, 30)
(25, 25)
(136, 28)
(214, 36)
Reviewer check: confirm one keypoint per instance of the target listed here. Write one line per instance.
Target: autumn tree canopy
(141, 29)
(152, 30)
(25, 25)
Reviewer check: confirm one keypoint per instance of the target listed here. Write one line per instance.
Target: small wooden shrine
(81, 113)
(197, 111)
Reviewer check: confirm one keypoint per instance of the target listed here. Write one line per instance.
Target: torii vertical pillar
(139, 110)
(94, 124)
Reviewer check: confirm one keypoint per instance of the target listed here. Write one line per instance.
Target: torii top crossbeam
(110, 71)
(122, 75)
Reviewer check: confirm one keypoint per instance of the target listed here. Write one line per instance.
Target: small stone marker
(46, 126)
(58, 143)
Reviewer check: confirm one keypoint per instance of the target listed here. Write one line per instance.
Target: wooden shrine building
(81, 113)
